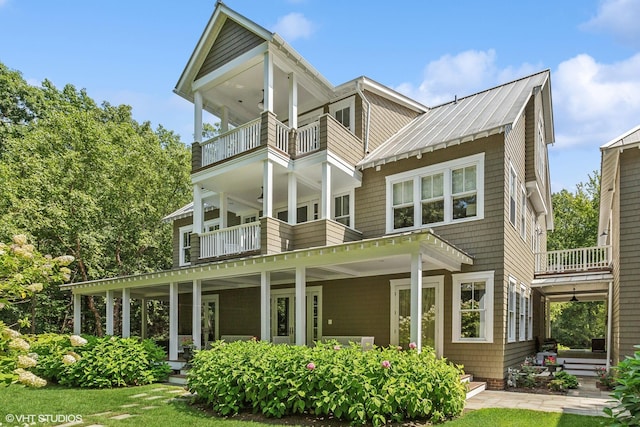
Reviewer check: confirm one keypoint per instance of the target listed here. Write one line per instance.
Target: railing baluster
(581, 259)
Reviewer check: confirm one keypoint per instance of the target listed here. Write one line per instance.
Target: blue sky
(133, 52)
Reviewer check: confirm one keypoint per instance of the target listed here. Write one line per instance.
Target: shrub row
(375, 386)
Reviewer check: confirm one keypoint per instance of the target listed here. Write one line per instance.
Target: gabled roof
(466, 119)
(608, 176)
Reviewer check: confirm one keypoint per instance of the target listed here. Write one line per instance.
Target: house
(352, 210)
(619, 228)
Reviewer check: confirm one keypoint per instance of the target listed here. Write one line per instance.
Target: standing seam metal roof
(475, 116)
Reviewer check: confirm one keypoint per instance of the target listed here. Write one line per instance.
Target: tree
(91, 182)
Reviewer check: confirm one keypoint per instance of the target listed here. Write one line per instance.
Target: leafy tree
(91, 182)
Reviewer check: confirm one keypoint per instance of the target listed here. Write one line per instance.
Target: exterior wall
(232, 41)
(276, 236)
(322, 233)
(629, 252)
(336, 138)
(239, 311)
(386, 118)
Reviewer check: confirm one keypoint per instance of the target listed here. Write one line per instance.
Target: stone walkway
(586, 400)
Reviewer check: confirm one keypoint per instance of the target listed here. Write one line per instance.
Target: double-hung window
(522, 328)
(341, 209)
(513, 179)
(185, 245)
(523, 214)
(529, 302)
(472, 319)
(344, 112)
(439, 194)
(511, 311)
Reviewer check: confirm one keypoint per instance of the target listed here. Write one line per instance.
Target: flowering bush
(627, 390)
(378, 386)
(606, 377)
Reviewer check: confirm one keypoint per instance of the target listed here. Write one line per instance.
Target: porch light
(573, 298)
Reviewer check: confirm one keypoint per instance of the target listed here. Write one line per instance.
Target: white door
(210, 316)
(432, 306)
(283, 315)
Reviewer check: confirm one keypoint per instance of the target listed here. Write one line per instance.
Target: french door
(283, 315)
(432, 312)
(210, 319)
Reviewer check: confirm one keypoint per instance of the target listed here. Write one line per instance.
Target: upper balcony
(325, 133)
(568, 261)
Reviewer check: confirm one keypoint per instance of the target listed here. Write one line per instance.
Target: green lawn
(158, 405)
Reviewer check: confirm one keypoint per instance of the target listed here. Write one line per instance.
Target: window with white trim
(473, 307)
(529, 315)
(341, 209)
(513, 179)
(439, 194)
(522, 325)
(540, 149)
(523, 214)
(344, 111)
(184, 256)
(511, 311)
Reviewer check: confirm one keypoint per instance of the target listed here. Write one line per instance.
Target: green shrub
(627, 392)
(375, 386)
(98, 362)
(566, 380)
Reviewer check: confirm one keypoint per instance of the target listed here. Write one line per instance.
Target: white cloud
(3, 2)
(294, 26)
(460, 75)
(620, 18)
(596, 101)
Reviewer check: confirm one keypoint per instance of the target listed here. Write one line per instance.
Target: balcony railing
(282, 137)
(228, 144)
(573, 260)
(308, 138)
(230, 241)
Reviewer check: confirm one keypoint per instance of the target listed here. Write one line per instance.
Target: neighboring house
(352, 210)
(620, 228)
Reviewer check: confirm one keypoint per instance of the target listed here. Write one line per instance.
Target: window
(473, 307)
(511, 311)
(247, 219)
(523, 214)
(344, 112)
(341, 209)
(184, 257)
(438, 194)
(529, 302)
(541, 149)
(522, 333)
(512, 195)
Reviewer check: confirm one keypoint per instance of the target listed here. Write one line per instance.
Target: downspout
(366, 132)
(609, 315)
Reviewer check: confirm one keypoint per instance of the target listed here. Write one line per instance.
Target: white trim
(436, 282)
(206, 299)
(196, 315)
(522, 313)
(181, 232)
(529, 315)
(350, 103)
(512, 192)
(523, 213)
(459, 279)
(511, 309)
(445, 168)
(291, 293)
(126, 312)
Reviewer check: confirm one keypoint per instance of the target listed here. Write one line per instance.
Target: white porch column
(265, 306)
(109, 312)
(197, 116)
(196, 318)
(224, 120)
(293, 101)
(198, 211)
(268, 81)
(173, 321)
(325, 202)
(292, 205)
(416, 300)
(77, 314)
(224, 208)
(301, 305)
(267, 189)
(144, 318)
(609, 320)
(126, 313)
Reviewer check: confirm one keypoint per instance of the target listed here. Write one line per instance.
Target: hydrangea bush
(377, 386)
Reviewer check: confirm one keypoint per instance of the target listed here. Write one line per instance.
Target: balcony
(596, 258)
(230, 241)
(325, 133)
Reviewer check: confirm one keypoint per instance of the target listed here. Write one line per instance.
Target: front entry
(432, 309)
(210, 320)
(283, 315)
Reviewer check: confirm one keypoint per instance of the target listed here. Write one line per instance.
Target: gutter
(366, 132)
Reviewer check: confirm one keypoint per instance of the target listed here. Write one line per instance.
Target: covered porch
(280, 297)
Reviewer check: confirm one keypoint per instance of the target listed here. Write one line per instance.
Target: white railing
(228, 144)
(308, 138)
(231, 240)
(282, 137)
(570, 260)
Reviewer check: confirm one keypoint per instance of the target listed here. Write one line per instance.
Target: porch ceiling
(588, 286)
(372, 257)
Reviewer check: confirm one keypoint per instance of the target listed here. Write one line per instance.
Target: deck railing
(230, 240)
(308, 139)
(573, 260)
(282, 137)
(228, 144)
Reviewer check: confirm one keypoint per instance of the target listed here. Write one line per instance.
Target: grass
(99, 406)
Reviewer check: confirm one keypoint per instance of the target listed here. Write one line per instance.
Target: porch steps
(583, 367)
(473, 387)
(177, 379)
